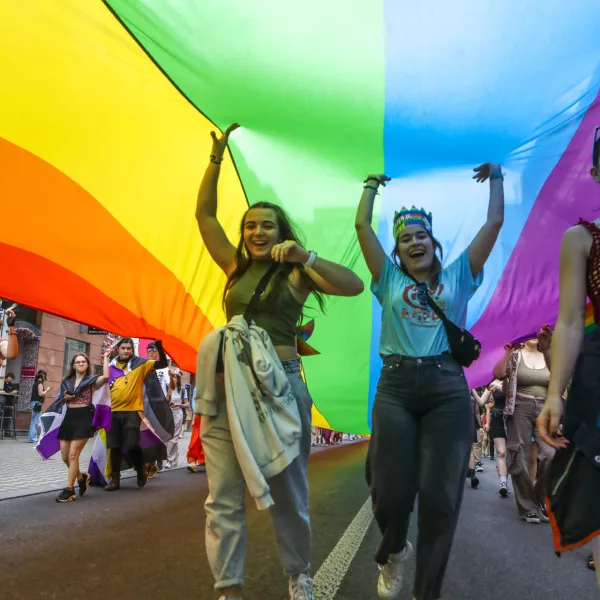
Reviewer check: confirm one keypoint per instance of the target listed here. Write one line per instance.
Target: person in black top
(9, 388)
(495, 426)
(38, 397)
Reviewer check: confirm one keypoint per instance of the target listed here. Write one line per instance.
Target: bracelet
(497, 176)
(371, 187)
(311, 259)
(372, 179)
(215, 160)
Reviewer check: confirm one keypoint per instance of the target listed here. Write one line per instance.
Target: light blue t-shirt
(410, 329)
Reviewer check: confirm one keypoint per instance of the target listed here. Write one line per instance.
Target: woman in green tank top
(266, 235)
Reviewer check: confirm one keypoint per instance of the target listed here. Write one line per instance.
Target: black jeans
(124, 437)
(421, 439)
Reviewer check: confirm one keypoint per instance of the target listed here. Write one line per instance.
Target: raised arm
(10, 348)
(367, 238)
(502, 364)
(213, 235)
(105, 370)
(163, 361)
(483, 243)
(568, 333)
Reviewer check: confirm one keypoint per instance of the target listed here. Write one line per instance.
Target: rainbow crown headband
(414, 216)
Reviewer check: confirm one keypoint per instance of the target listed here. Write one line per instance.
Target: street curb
(37, 491)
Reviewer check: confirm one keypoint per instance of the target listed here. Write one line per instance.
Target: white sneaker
(391, 576)
(301, 587)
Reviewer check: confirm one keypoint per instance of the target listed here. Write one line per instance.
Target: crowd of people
(252, 428)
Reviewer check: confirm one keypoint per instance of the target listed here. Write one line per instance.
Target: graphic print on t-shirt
(417, 314)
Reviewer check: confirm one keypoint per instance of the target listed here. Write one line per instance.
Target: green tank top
(278, 317)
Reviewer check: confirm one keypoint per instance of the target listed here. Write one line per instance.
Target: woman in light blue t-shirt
(422, 415)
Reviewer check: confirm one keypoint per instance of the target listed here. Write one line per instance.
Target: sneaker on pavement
(391, 575)
(192, 468)
(67, 495)
(479, 468)
(152, 471)
(543, 514)
(503, 491)
(532, 518)
(84, 484)
(301, 587)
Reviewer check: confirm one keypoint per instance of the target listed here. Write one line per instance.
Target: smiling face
(415, 248)
(261, 232)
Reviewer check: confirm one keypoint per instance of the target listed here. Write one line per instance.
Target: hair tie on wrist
(214, 159)
(371, 187)
(497, 176)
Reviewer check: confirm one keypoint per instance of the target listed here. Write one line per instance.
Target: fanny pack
(464, 346)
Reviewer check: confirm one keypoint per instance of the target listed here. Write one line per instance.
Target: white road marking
(329, 577)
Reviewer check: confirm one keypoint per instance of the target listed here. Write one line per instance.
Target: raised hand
(381, 179)
(544, 337)
(10, 317)
(219, 144)
(482, 172)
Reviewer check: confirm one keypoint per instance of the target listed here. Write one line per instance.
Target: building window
(72, 348)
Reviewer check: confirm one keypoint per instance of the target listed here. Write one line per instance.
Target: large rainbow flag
(105, 114)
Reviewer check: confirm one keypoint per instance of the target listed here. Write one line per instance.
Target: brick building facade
(48, 342)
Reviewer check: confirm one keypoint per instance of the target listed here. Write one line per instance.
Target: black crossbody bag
(464, 346)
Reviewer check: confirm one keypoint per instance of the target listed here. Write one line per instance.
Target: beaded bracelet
(371, 187)
(497, 176)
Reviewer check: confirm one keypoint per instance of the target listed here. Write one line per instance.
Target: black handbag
(464, 346)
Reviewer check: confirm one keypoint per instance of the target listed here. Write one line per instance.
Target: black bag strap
(431, 302)
(259, 291)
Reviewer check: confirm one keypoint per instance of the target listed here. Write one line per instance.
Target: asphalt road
(149, 543)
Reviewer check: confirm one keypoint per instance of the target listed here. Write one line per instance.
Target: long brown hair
(72, 372)
(436, 267)
(243, 259)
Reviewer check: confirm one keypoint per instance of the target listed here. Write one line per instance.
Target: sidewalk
(23, 472)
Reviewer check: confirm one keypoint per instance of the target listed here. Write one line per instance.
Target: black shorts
(497, 429)
(77, 424)
(124, 430)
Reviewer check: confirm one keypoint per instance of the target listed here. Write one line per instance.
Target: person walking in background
(76, 429)
(178, 401)
(38, 397)
(527, 372)
(195, 453)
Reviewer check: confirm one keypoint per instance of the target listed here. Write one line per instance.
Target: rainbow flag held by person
(112, 102)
